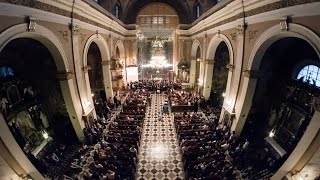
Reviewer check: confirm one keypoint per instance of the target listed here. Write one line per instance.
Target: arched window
(117, 10)
(197, 10)
(310, 74)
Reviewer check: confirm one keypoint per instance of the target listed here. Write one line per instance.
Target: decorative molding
(82, 37)
(230, 67)
(32, 24)
(62, 76)
(251, 74)
(75, 29)
(240, 29)
(284, 26)
(234, 36)
(209, 61)
(65, 35)
(106, 63)
(85, 69)
(255, 11)
(252, 34)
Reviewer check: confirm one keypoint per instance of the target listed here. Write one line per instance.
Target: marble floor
(159, 154)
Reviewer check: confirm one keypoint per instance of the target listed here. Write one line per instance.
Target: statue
(4, 105)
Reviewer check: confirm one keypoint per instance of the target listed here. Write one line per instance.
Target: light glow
(45, 135)
(158, 151)
(157, 62)
(271, 134)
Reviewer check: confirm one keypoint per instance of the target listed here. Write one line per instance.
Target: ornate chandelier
(158, 60)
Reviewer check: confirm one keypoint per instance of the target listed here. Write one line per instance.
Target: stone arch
(105, 58)
(44, 36)
(193, 67)
(120, 46)
(214, 43)
(103, 47)
(274, 34)
(211, 51)
(55, 47)
(196, 43)
(264, 41)
(48, 39)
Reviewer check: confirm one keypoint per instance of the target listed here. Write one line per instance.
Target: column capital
(105, 63)
(251, 73)
(85, 69)
(230, 67)
(61, 76)
(74, 29)
(240, 29)
(209, 61)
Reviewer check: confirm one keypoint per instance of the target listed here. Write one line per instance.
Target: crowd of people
(208, 148)
(109, 152)
(154, 85)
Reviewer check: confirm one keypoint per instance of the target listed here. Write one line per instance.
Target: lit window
(310, 74)
(155, 20)
(117, 11)
(160, 20)
(167, 20)
(97, 1)
(198, 11)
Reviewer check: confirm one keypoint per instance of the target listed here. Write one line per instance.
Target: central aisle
(159, 154)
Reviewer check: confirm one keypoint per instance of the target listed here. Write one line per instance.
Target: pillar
(84, 94)
(193, 68)
(89, 94)
(72, 102)
(13, 154)
(245, 99)
(201, 76)
(207, 82)
(226, 103)
(107, 78)
(175, 54)
(237, 69)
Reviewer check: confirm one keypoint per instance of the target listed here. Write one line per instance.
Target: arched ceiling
(180, 6)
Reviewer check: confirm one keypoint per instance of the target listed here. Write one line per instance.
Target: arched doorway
(95, 72)
(220, 75)
(283, 101)
(196, 57)
(33, 104)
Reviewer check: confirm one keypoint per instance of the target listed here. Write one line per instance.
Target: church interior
(160, 89)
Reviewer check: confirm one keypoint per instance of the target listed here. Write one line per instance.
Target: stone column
(207, 82)
(201, 76)
(72, 101)
(175, 53)
(107, 78)
(237, 69)
(193, 66)
(226, 104)
(13, 154)
(85, 98)
(245, 99)
(89, 93)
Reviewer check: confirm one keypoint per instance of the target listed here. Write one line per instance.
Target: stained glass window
(310, 74)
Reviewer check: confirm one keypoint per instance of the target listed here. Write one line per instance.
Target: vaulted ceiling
(181, 6)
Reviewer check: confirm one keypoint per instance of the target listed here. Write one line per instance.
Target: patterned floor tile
(159, 156)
